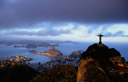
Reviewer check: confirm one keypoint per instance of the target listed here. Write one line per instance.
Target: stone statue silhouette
(100, 38)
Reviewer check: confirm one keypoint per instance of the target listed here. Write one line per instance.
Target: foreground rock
(59, 73)
(52, 52)
(102, 64)
(16, 72)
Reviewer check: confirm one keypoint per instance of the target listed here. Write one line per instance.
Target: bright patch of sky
(71, 31)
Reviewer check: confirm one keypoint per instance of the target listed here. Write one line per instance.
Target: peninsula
(51, 52)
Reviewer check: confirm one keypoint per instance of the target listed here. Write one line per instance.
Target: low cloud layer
(72, 32)
(117, 34)
(39, 33)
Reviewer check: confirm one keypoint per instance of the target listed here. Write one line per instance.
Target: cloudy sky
(75, 20)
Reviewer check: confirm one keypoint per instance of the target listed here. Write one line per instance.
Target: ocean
(66, 49)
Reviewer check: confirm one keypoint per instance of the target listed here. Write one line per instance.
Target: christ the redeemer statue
(100, 38)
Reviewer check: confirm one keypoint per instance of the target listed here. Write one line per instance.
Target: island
(52, 52)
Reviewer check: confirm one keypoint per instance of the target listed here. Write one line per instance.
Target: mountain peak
(52, 47)
(100, 63)
(100, 52)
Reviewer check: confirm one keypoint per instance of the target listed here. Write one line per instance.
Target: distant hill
(76, 54)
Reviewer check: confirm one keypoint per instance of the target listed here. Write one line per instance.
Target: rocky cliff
(102, 64)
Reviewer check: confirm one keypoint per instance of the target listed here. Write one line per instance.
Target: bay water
(66, 49)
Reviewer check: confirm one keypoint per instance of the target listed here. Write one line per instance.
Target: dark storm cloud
(39, 33)
(24, 13)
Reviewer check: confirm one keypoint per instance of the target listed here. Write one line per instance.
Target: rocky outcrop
(102, 64)
(90, 71)
(52, 52)
(76, 54)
